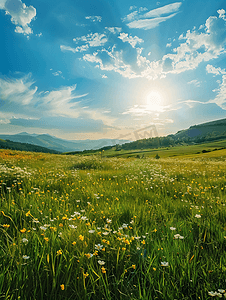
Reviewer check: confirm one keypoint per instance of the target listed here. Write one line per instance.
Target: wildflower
(61, 225)
(98, 247)
(74, 243)
(91, 231)
(25, 257)
(6, 225)
(164, 264)
(23, 230)
(221, 291)
(28, 213)
(85, 274)
(178, 236)
(197, 216)
(103, 270)
(101, 262)
(213, 294)
(88, 255)
(59, 252)
(81, 237)
(134, 267)
(43, 227)
(46, 239)
(123, 248)
(72, 226)
(105, 233)
(25, 241)
(172, 228)
(154, 269)
(143, 242)
(62, 287)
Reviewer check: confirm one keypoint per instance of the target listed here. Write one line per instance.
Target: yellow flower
(85, 274)
(74, 243)
(61, 225)
(81, 237)
(154, 269)
(123, 248)
(59, 252)
(23, 230)
(28, 213)
(134, 267)
(103, 270)
(46, 239)
(143, 242)
(62, 287)
(6, 225)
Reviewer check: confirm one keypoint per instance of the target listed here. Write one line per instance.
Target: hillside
(7, 144)
(207, 131)
(196, 134)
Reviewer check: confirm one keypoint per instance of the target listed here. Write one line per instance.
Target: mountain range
(209, 131)
(57, 144)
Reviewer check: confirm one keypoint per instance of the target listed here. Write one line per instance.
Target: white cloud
(57, 73)
(132, 40)
(195, 82)
(74, 50)
(114, 30)
(29, 103)
(21, 15)
(17, 90)
(93, 39)
(168, 45)
(132, 7)
(104, 76)
(148, 23)
(94, 18)
(153, 18)
(198, 46)
(216, 71)
(220, 98)
(167, 9)
(221, 13)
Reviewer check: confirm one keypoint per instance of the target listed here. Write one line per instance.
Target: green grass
(75, 227)
(182, 150)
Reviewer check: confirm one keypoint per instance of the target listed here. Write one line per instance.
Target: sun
(154, 101)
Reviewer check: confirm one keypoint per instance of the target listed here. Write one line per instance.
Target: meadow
(96, 227)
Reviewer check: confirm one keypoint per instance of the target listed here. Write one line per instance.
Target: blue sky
(106, 68)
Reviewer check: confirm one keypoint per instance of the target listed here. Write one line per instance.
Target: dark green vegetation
(7, 144)
(76, 227)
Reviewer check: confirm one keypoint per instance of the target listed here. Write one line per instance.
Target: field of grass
(180, 150)
(76, 227)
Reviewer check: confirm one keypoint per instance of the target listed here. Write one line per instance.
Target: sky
(110, 68)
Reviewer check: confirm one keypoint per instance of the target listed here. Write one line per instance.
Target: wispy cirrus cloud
(22, 103)
(21, 15)
(140, 20)
(195, 82)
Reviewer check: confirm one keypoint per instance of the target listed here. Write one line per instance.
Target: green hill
(6, 144)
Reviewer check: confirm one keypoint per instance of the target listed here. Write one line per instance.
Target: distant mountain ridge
(209, 131)
(57, 144)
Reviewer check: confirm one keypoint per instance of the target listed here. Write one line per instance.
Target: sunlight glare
(154, 101)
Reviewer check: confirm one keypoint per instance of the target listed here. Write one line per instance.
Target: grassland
(98, 227)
